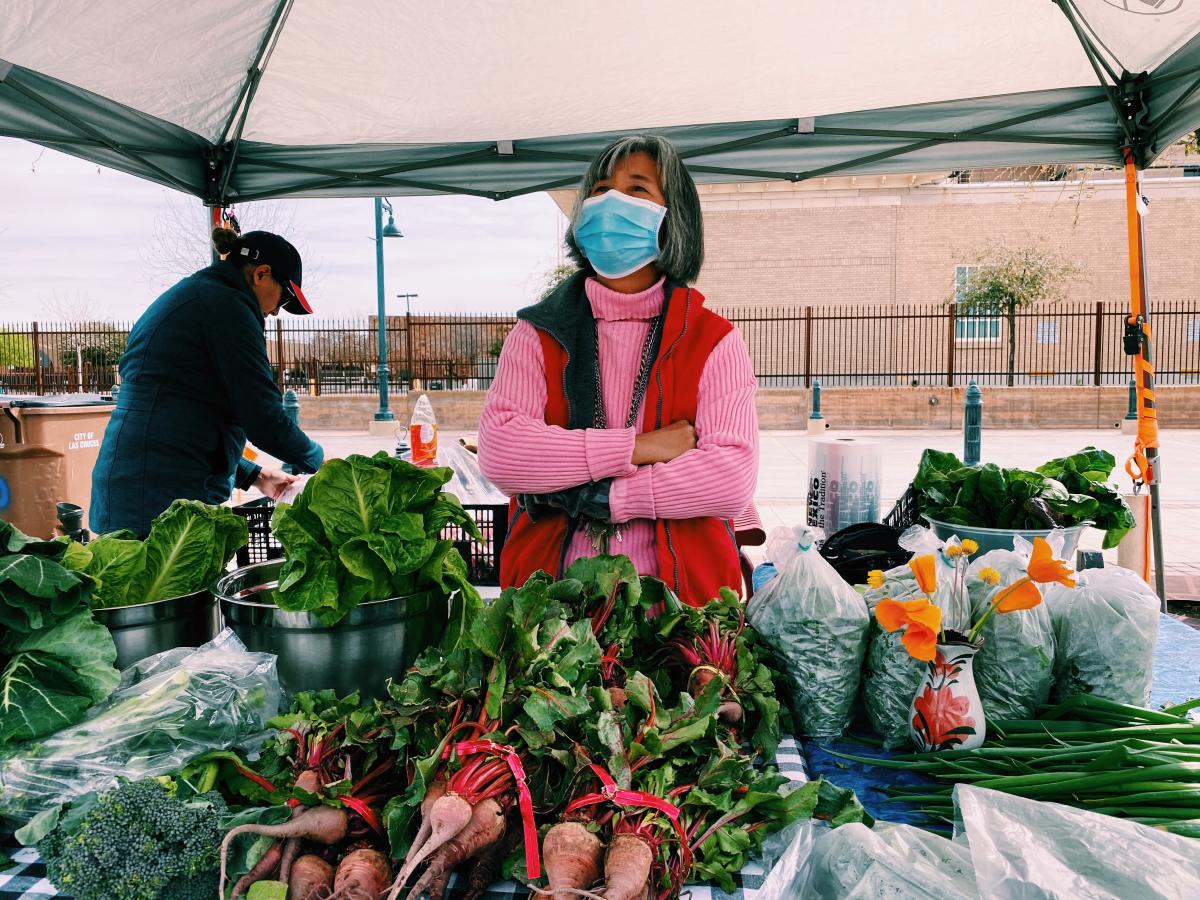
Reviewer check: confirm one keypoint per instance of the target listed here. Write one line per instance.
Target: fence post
(1099, 341)
(951, 342)
(291, 409)
(408, 357)
(808, 336)
(973, 425)
(37, 361)
(279, 354)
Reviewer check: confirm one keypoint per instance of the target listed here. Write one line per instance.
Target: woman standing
(196, 383)
(622, 416)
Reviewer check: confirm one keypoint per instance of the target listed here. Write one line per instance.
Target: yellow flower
(920, 619)
(875, 579)
(969, 547)
(954, 551)
(988, 575)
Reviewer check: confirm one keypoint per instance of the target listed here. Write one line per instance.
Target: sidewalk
(783, 471)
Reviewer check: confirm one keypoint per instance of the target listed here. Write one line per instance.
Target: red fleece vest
(696, 557)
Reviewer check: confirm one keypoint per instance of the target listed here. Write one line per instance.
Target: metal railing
(1065, 344)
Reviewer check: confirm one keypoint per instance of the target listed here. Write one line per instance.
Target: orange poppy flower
(923, 567)
(1044, 568)
(921, 620)
(1022, 595)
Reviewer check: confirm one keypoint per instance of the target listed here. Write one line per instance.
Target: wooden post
(951, 343)
(279, 354)
(1099, 342)
(37, 363)
(808, 336)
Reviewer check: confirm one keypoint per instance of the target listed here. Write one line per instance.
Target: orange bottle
(422, 434)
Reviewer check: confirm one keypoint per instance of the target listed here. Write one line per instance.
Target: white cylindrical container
(844, 482)
(1133, 553)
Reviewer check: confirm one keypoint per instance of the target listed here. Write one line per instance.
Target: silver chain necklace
(601, 533)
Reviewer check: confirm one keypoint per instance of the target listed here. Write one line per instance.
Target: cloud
(69, 227)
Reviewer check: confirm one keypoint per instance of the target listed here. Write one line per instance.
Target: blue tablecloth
(1176, 679)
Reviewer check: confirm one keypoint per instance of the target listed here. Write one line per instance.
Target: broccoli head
(137, 842)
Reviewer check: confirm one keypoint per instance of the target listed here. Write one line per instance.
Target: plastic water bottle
(422, 433)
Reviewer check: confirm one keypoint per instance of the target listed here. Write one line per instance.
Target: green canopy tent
(241, 100)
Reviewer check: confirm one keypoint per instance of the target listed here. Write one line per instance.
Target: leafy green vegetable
(188, 547)
(368, 528)
(53, 675)
(1085, 476)
(55, 660)
(1066, 491)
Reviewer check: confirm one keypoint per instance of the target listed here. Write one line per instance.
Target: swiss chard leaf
(52, 676)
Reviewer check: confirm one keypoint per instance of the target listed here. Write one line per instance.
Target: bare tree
(182, 242)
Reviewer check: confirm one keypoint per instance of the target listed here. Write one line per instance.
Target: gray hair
(682, 236)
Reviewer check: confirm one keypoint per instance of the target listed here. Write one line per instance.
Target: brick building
(901, 239)
(888, 251)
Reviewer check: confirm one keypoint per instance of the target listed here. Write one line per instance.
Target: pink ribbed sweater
(519, 452)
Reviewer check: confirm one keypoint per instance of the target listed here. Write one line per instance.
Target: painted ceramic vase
(946, 713)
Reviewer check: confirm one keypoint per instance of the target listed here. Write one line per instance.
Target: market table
(1176, 679)
(27, 880)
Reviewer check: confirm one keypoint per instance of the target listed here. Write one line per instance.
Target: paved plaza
(783, 470)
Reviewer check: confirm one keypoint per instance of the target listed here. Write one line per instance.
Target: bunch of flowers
(921, 619)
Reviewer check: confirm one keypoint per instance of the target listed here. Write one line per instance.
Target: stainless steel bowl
(375, 640)
(1002, 538)
(149, 628)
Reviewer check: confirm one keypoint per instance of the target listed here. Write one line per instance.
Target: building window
(1047, 332)
(977, 328)
(1193, 330)
(972, 326)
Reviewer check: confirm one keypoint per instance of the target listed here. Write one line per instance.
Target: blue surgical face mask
(617, 233)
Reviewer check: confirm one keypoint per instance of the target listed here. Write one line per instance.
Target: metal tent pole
(1144, 466)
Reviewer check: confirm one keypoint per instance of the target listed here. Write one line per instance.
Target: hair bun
(225, 240)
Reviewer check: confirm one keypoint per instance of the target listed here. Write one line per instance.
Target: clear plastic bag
(169, 709)
(1014, 668)
(855, 862)
(816, 625)
(1106, 629)
(890, 676)
(1023, 849)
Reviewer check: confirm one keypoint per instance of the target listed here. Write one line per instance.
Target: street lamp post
(381, 231)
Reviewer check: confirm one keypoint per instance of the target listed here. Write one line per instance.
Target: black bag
(855, 551)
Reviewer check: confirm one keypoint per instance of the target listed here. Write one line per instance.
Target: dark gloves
(588, 501)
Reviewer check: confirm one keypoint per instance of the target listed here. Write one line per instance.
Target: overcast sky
(78, 239)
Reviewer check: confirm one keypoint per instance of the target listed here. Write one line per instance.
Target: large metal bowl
(148, 628)
(375, 641)
(1002, 538)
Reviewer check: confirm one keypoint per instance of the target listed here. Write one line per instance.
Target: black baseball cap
(262, 248)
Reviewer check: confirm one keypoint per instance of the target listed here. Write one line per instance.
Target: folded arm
(717, 478)
(518, 451)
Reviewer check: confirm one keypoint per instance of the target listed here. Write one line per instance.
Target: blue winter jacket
(195, 385)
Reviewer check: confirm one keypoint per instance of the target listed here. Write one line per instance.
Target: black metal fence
(841, 346)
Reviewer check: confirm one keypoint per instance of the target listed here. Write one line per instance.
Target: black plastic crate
(262, 545)
(904, 513)
(483, 560)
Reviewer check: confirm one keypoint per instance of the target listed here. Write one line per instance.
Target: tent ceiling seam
(1153, 127)
(278, 20)
(83, 127)
(1096, 62)
(259, 54)
(1094, 36)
